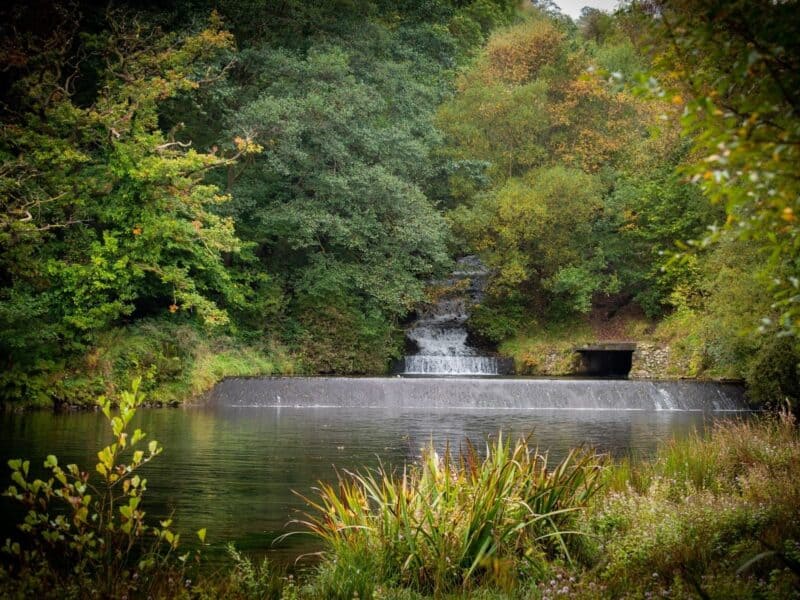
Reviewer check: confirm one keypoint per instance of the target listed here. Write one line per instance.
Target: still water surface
(232, 469)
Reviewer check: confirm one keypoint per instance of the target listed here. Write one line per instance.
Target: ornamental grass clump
(451, 523)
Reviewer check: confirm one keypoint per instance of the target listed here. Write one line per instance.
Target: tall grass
(451, 523)
(713, 516)
(713, 460)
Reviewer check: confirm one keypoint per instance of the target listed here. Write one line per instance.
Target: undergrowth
(176, 362)
(452, 523)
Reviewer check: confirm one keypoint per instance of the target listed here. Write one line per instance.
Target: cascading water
(440, 333)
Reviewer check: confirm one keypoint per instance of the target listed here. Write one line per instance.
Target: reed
(451, 523)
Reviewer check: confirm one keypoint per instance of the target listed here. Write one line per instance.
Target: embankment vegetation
(614, 205)
(254, 175)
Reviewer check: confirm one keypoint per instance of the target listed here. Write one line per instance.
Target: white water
(440, 332)
(450, 365)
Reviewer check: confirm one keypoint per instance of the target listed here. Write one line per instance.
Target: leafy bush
(85, 536)
(715, 517)
(773, 376)
(337, 336)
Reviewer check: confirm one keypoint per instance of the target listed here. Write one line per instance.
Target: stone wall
(650, 361)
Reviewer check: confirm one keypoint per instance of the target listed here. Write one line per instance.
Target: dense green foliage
(264, 175)
(739, 63)
(86, 535)
(272, 183)
(592, 196)
(581, 199)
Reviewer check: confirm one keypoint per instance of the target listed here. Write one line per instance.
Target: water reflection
(233, 469)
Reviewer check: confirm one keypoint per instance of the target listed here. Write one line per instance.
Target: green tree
(736, 65)
(104, 214)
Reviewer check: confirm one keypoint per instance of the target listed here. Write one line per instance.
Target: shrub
(86, 536)
(712, 517)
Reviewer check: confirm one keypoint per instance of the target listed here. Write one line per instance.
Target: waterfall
(440, 332)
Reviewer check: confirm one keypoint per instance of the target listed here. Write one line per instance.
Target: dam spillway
(475, 394)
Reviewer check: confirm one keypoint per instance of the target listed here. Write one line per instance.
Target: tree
(104, 214)
(736, 65)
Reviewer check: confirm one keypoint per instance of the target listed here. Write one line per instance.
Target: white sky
(573, 7)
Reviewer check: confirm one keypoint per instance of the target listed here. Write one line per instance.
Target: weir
(397, 393)
(440, 334)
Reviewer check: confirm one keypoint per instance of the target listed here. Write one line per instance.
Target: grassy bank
(176, 363)
(690, 344)
(710, 516)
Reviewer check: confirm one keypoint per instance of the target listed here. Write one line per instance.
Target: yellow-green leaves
(95, 525)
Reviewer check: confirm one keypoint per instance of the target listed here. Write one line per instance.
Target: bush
(86, 536)
(715, 518)
(773, 376)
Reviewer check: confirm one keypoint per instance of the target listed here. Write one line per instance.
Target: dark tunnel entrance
(607, 360)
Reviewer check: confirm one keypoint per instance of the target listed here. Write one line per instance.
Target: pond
(231, 465)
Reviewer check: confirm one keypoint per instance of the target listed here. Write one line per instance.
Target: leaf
(201, 533)
(137, 436)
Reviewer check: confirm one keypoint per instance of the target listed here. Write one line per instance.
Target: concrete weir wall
(472, 393)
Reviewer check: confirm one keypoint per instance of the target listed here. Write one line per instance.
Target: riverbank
(180, 362)
(684, 345)
(176, 362)
(709, 516)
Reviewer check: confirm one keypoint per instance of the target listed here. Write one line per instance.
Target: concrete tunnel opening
(607, 360)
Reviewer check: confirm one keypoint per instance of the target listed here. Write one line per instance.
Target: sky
(573, 7)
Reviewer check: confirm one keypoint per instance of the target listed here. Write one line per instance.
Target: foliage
(176, 362)
(121, 129)
(712, 330)
(547, 348)
(713, 517)
(738, 64)
(84, 536)
(260, 581)
(650, 214)
(572, 211)
(449, 524)
(335, 203)
(105, 215)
